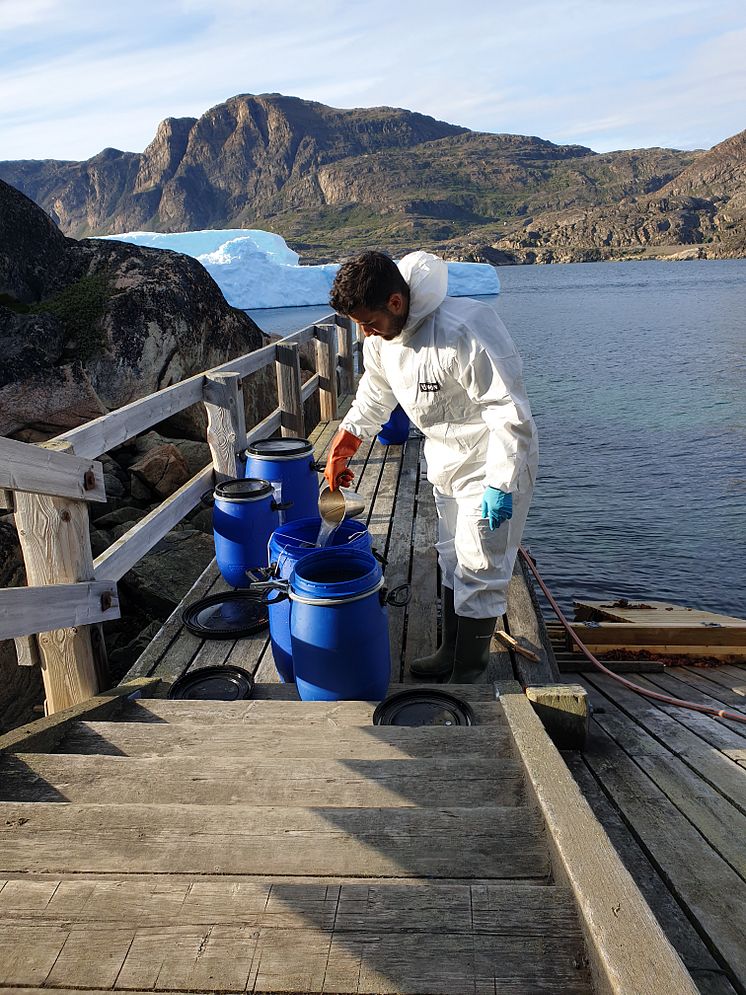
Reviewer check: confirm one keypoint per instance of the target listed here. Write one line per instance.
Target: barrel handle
(317, 466)
(208, 498)
(263, 588)
(399, 597)
(381, 559)
(281, 505)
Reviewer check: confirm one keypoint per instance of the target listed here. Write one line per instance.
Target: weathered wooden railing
(56, 620)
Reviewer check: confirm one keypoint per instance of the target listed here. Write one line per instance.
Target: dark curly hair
(366, 281)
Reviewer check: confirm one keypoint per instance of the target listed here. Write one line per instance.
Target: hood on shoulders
(427, 279)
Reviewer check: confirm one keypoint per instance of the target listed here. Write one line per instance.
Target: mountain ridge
(332, 181)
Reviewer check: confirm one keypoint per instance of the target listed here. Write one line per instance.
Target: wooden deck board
(499, 842)
(184, 781)
(675, 805)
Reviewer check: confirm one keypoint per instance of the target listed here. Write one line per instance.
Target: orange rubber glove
(344, 446)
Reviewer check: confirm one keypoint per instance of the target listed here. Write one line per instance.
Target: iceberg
(257, 269)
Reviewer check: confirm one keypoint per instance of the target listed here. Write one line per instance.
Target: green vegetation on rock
(80, 307)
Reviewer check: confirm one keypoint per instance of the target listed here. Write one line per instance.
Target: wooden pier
(280, 846)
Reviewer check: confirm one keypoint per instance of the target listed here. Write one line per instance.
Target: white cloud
(607, 74)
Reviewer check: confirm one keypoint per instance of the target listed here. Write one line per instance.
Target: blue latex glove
(497, 507)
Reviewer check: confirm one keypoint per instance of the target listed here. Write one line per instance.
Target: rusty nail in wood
(89, 480)
(65, 515)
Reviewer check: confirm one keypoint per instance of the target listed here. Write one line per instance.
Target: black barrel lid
(213, 684)
(226, 616)
(243, 489)
(279, 448)
(423, 707)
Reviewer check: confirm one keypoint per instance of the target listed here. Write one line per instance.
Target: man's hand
(497, 507)
(344, 446)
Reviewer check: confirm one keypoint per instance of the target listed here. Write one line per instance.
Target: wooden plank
(719, 822)
(288, 714)
(378, 742)
(708, 889)
(27, 610)
(27, 651)
(310, 387)
(647, 612)
(564, 713)
(169, 631)
(619, 635)
(226, 422)
(289, 390)
(422, 635)
(226, 781)
(314, 937)
(614, 916)
(526, 625)
(39, 470)
(43, 735)
(55, 541)
(677, 927)
(326, 365)
(720, 676)
(501, 842)
(701, 681)
(398, 552)
(732, 732)
(122, 555)
(677, 738)
(346, 355)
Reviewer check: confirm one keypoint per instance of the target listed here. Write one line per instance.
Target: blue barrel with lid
(396, 430)
(339, 626)
(289, 465)
(287, 545)
(244, 517)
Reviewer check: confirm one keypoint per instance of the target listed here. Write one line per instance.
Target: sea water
(637, 377)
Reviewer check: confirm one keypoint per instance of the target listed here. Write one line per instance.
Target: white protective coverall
(456, 372)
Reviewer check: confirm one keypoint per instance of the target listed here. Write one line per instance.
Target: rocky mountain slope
(331, 181)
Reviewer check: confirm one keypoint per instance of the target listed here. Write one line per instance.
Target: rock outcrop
(88, 326)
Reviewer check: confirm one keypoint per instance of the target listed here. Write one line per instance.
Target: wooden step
(277, 713)
(234, 781)
(497, 842)
(304, 743)
(210, 934)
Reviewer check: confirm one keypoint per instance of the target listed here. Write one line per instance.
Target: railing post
(326, 364)
(226, 421)
(55, 541)
(289, 395)
(346, 354)
(360, 337)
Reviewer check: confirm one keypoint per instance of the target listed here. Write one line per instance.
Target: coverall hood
(427, 278)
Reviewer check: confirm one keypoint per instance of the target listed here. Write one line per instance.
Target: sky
(77, 76)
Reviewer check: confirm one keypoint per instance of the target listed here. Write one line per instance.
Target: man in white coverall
(452, 366)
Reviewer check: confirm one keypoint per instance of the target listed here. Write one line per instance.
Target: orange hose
(678, 702)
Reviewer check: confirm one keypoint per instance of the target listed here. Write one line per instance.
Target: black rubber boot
(440, 663)
(472, 649)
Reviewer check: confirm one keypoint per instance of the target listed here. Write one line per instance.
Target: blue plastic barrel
(289, 465)
(396, 430)
(287, 545)
(243, 519)
(339, 627)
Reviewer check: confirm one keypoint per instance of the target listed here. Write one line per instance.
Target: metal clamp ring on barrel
(335, 601)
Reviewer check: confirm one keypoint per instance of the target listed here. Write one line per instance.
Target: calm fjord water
(637, 377)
